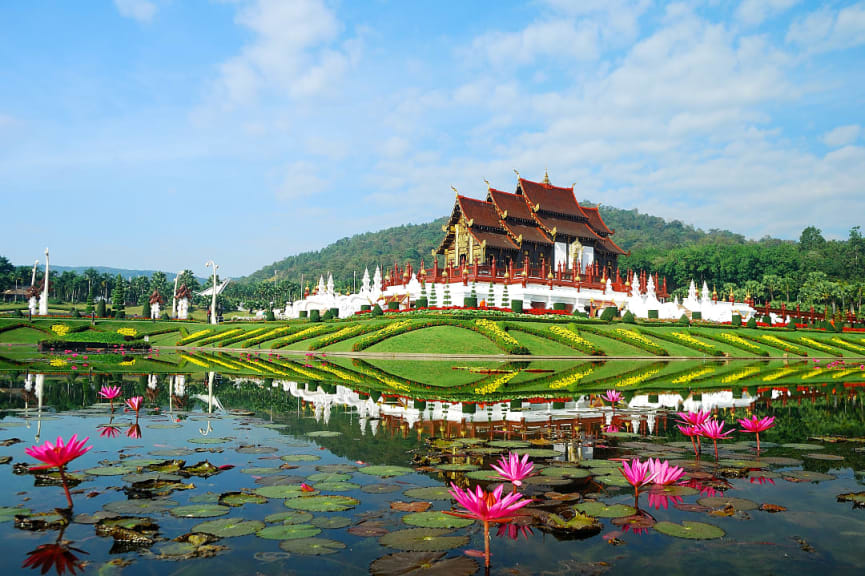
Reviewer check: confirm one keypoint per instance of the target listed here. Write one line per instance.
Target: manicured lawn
(542, 346)
(438, 340)
(435, 372)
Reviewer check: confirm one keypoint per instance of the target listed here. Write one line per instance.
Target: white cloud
(140, 10)
(302, 179)
(825, 30)
(293, 52)
(755, 12)
(841, 136)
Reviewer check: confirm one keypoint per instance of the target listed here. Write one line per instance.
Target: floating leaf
(718, 502)
(331, 522)
(328, 477)
(322, 503)
(781, 461)
(689, 530)
(273, 426)
(337, 468)
(772, 508)
(8, 513)
(289, 517)
(261, 470)
(567, 471)
(256, 450)
(41, 521)
(675, 490)
(235, 499)
(141, 506)
(857, 498)
(410, 506)
(601, 510)
(613, 479)
(229, 527)
(599, 464)
(801, 446)
(151, 476)
(368, 529)
(287, 491)
(171, 452)
(510, 444)
(828, 457)
(288, 532)
(457, 467)
(537, 452)
(200, 511)
(312, 546)
(429, 493)
(808, 476)
(336, 486)
(621, 435)
(206, 498)
(111, 470)
(426, 563)
(435, 519)
(163, 426)
(423, 540)
(300, 458)
(208, 440)
(324, 434)
(385, 471)
(483, 475)
(381, 488)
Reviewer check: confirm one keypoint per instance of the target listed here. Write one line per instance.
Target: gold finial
(516, 172)
(714, 292)
(454, 188)
(520, 239)
(546, 177)
(487, 182)
(574, 185)
(550, 275)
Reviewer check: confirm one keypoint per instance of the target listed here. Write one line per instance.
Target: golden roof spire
(454, 188)
(488, 184)
(517, 172)
(546, 177)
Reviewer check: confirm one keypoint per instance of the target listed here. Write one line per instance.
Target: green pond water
(367, 434)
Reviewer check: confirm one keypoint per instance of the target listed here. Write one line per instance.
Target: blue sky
(163, 133)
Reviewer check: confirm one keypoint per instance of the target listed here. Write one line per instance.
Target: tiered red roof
(183, 292)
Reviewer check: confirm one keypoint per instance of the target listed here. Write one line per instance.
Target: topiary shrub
(559, 306)
(422, 303)
(420, 405)
(516, 306)
(100, 308)
(302, 314)
(767, 320)
(628, 318)
(696, 315)
(684, 320)
(469, 408)
(165, 316)
(791, 325)
(609, 313)
(580, 314)
(328, 315)
(145, 310)
(315, 316)
(375, 395)
(269, 316)
(17, 313)
(377, 311)
(365, 307)
(653, 314)
(77, 314)
(393, 305)
(752, 322)
(736, 320)
(119, 314)
(516, 404)
(470, 302)
(558, 405)
(334, 313)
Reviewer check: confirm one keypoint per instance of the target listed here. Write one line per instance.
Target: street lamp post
(215, 266)
(174, 296)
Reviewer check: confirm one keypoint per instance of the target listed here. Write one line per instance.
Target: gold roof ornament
(387, 276)
(554, 231)
(520, 239)
(546, 177)
(487, 182)
(578, 277)
(505, 215)
(434, 250)
(517, 173)
(445, 273)
(550, 275)
(714, 292)
(574, 185)
(483, 243)
(454, 188)
(507, 274)
(444, 227)
(470, 222)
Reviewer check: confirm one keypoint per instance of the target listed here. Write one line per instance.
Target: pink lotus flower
(513, 469)
(135, 403)
(487, 507)
(663, 472)
(658, 500)
(58, 456)
(134, 431)
(514, 531)
(109, 431)
(612, 396)
(694, 418)
(756, 425)
(638, 474)
(715, 430)
(692, 432)
(110, 393)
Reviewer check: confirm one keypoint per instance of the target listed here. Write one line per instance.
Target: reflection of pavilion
(519, 419)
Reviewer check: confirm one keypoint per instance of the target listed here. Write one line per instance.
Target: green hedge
(578, 343)
(736, 320)
(315, 316)
(517, 306)
(365, 307)
(653, 314)
(621, 335)
(303, 314)
(393, 305)
(422, 303)
(470, 302)
(609, 313)
(698, 346)
(559, 306)
(696, 315)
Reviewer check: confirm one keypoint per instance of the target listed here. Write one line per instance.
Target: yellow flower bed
(193, 360)
(739, 375)
(849, 344)
(223, 363)
(345, 375)
(571, 336)
(811, 373)
(494, 385)
(818, 345)
(495, 329)
(780, 374)
(130, 332)
(128, 362)
(193, 336)
(637, 378)
(688, 339)
(634, 336)
(783, 345)
(843, 373)
(693, 375)
(733, 339)
(571, 379)
(57, 362)
(60, 329)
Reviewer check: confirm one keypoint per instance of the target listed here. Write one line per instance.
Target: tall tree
(118, 297)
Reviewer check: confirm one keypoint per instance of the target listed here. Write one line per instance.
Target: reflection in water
(59, 555)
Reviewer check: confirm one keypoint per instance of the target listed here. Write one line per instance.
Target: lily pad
(384, 471)
(256, 450)
(300, 458)
(601, 510)
(690, 530)
(436, 519)
(261, 470)
(429, 493)
(208, 440)
(613, 479)
(717, 502)
(163, 426)
(331, 522)
(289, 517)
(423, 540)
(337, 468)
(286, 491)
(288, 532)
(328, 477)
(675, 490)
(567, 471)
(322, 503)
(801, 446)
(140, 506)
(200, 511)
(426, 563)
(781, 461)
(273, 426)
(111, 470)
(312, 546)
(457, 467)
(483, 475)
(857, 498)
(151, 476)
(547, 481)
(381, 488)
(324, 434)
(235, 499)
(171, 452)
(808, 476)
(8, 513)
(538, 452)
(827, 457)
(336, 486)
(206, 498)
(510, 444)
(229, 527)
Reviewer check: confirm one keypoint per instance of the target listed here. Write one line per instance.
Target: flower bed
(568, 379)
(822, 347)
(629, 337)
(343, 334)
(694, 374)
(567, 336)
(218, 336)
(775, 342)
(848, 345)
(242, 336)
(630, 378)
(740, 375)
(500, 337)
(269, 335)
(685, 339)
(314, 330)
(189, 339)
(736, 341)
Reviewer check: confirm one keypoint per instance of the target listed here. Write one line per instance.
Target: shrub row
(811, 343)
(630, 378)
(303, 334)
(269, 335)
(219, 336)
(499, 336)
(841, 343)
(243, 336)
(736, 341)
(775, 342)
(568, 337)
(685, 339)
(344, 334)
(629, 336)
(190, 338)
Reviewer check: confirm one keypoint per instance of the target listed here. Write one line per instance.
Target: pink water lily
(694, 418)
(715, 430)
(664, 473)
(612, 396)
(108, 430)
(110, 393)
(692, 432)
(134, 431)
(658, 500)
(58, 456)
(487, 507)
(135, 403)
(513, 469)
(638, 474)
(756, 425)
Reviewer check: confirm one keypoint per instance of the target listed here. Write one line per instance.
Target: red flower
(59, 455)
(57, 556)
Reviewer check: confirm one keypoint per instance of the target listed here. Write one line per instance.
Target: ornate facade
(539, 222)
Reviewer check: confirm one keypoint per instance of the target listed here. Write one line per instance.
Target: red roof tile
(567, 227)
(551, 198)
(595, 220)
(482, 213)
(529, 233)
(514, 204)
(494, 240)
